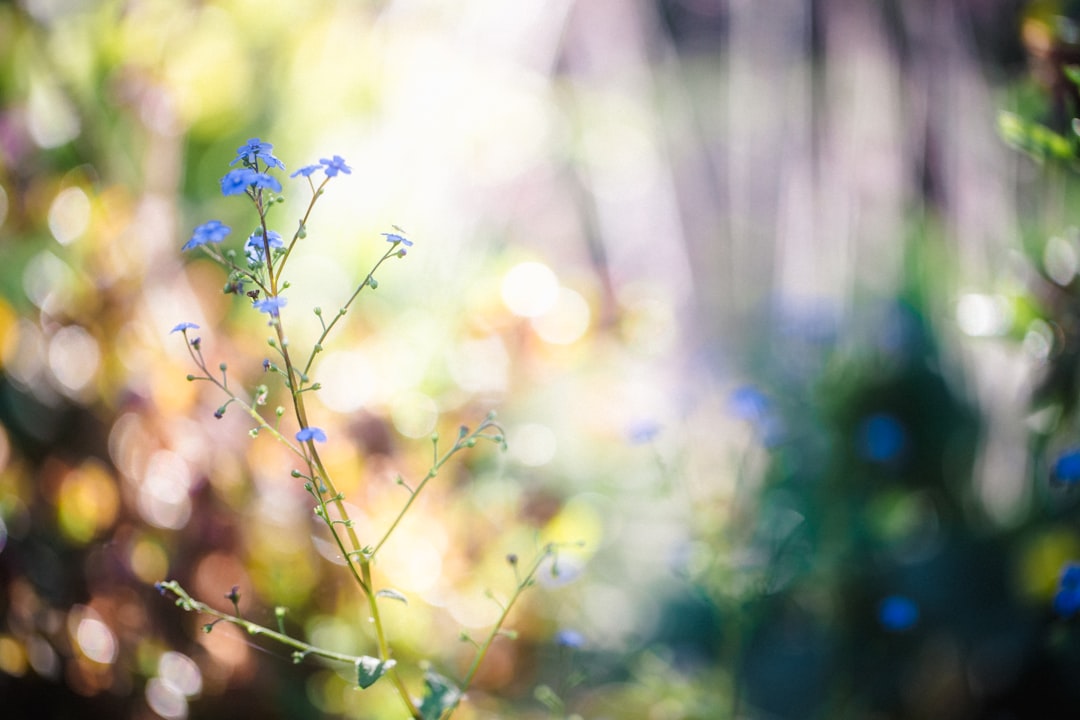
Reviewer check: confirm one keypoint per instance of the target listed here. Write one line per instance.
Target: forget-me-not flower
(311, 433)
(209, 232)
(335, 165)
(271, 305)
(397, 238)
(255, 150)
(253, 248)
(307, 170)
(238, 181)
(181, 327)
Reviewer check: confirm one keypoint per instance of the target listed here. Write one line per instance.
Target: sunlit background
(778, 326)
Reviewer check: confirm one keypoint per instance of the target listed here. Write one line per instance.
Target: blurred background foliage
(778, 326)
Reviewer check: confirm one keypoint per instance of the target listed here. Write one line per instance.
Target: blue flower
(256, 150)
(333, 167)
(1067, 467)
(183, 327)
(751, 405)
(396, 238)
(882, 438)
(271, 305)
(569, 638)
(643, 431)
(238, 181)
(253, 248)
(1067, 598)
(897, 613)
(748, 403)
(209, 232)
(311, 433)
(307, 170)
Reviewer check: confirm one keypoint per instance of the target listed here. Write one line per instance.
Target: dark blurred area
(777, 302)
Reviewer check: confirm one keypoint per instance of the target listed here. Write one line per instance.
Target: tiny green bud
(302, 232)
(223, 367)
(471, 442)
(308, 486)
(254, 432)
(279, 612)
(190, 378)
(279, 411)
(373, 283)
(512, 558)
(318, 310)
(434, 437)
(317, 386)
(271, 342)
(295, 473)
(317, 348)
(342, 312)
(286, 285)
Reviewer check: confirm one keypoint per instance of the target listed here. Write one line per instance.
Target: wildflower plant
(257, 272)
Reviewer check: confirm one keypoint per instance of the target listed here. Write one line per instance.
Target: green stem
(188, 603)
(525, 583)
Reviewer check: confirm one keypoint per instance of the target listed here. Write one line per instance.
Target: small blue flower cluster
(256, 160)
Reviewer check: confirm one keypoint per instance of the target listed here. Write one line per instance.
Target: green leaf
(370, 669)
(393, 595)
(441, 695)
(1046, 139)
(1013, 130)
(1072, 72)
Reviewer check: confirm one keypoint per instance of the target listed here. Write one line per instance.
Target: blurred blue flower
(311, 433)
(570, 638)
(1067, 467)
(307, 170)
(255, 150)
(181, 327)
(335, 165)
(253, 248)
(643, 431)
(1067, 598)
(271, 305)
(751, 405)
(748, 403)
(881, 438)
(396, 238)
(209, 232)
(238, 181)
(897, 613)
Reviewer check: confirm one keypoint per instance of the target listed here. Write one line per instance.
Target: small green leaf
(393, 595)
(441, 695)
(1013, 130)
(370, 669)
(1072, 72)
